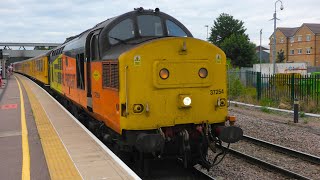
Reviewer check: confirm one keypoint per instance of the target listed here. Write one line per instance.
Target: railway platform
(39, 139)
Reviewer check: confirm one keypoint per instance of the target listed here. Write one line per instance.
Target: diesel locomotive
(144, 85)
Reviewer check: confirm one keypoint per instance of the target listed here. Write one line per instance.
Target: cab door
(92, 55)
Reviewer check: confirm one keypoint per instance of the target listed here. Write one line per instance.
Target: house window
(299, 38)
(299, 51)
(308, 50)
(292, 39)
(281, 40)
(292, 51)
(308, 37)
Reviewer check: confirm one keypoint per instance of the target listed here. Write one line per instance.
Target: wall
(282, 68)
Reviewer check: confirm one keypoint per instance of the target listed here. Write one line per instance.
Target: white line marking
(104, 147)
(271, 108)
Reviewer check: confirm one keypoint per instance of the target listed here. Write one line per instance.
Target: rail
(267, 165)
(298, 154)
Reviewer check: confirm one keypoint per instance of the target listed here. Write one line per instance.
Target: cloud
(55, 20)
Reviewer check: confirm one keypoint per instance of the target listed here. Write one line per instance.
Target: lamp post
(274, 34)
(207, 31)
(260, 49)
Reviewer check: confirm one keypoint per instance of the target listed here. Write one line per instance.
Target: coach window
(174, 30)
(150, 25)
(122, 31)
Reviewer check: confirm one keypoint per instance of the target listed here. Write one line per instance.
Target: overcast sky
(54, 20)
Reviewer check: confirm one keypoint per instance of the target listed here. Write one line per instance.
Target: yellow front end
(161, 84)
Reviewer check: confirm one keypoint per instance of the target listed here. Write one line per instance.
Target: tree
(224, 26)
(280, 56)
(240, 50)
(40, 48)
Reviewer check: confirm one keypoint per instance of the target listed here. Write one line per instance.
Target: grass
(309, 106)
(305, 121)
(265, 109)
(302, 114)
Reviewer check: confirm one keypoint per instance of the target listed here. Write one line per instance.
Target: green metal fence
(280, 86)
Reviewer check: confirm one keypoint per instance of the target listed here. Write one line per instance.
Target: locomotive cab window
(94, 48)
(174, 29)
(80, 70)
(122, 31)
(150, 25)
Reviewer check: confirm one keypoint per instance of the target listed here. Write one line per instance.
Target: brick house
(300, 44)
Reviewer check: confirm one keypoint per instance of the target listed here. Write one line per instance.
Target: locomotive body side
(56, 74)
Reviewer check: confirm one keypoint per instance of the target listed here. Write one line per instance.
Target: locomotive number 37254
(216, 91)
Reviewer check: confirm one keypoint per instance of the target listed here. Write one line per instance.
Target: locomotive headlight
(203, 72)
(164, 73)
(187, 101)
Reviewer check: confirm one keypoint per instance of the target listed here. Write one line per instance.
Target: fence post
(292, 87)
(296, 110)
(258, 85)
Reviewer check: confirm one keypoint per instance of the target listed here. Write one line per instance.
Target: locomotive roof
(78, 41)
(105, 23)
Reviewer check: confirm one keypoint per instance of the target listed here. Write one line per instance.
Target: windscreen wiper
(117, 39)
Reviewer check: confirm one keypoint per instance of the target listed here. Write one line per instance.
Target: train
(144, 85)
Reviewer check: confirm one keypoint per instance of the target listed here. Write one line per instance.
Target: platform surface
(59, 146)
(11, 156)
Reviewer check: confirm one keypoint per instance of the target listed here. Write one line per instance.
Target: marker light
(164, 73)
(138, 108)
(187, 101)
(203, 73)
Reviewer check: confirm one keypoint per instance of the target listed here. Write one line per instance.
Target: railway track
(278, 149)
(163, 169)
(298, 154)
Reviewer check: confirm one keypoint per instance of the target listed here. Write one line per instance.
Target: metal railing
(278, 86)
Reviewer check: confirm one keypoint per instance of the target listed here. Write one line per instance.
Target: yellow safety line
(59, 163)
(25, 142)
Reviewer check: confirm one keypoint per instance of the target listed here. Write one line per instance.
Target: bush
(309, 106)
(267, 102)
(236, 88)
(235, 85)
(249, 95)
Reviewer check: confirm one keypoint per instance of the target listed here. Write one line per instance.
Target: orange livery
(144, 85)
